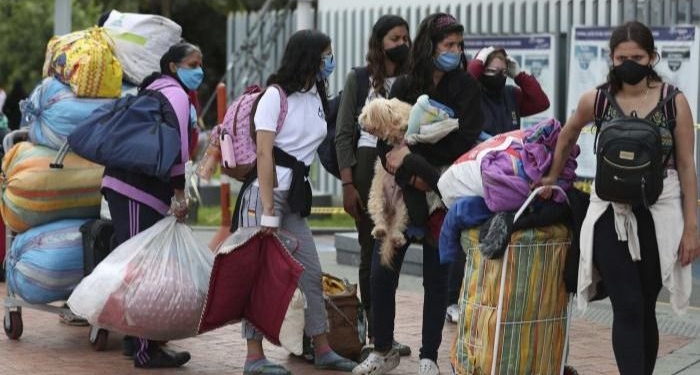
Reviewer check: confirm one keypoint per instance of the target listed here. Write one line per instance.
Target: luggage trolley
(515, 311)
(12, 321)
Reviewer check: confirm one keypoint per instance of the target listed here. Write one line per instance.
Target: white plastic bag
(140, 40)
(151, 286)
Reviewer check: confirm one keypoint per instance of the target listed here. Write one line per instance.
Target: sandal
(334, 363)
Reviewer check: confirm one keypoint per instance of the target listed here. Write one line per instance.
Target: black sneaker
(163, 358)
(404, 350)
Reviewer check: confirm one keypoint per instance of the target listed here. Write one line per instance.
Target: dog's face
(386, 119)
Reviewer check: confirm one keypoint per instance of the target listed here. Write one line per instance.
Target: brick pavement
(48, 347)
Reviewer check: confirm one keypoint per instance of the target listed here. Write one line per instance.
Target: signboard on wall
(589, 63)
(535, 53)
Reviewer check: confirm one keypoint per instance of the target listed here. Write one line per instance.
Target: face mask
(397, 54)
(328, 67)
(191, 77)
(447, 61)
(631, 72)
(493, 84)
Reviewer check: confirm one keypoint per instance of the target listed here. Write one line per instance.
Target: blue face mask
(447, 61)
(191, 77)
(328, 67)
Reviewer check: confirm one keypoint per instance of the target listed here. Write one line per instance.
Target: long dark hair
(432, 30)
(300, 63)
(375, 52)
(639, 33)
(175, 54)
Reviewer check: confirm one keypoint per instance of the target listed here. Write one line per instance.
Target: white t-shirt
(303, 129)
(366, 139)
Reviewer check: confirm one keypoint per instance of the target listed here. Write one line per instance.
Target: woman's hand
(546, 182)
(179, 208)
(688, 250)
(352, 203)
(394, 158)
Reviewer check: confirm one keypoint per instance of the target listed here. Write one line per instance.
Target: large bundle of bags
(153, 285)
(52, 111)
(45, 263)
(85, 60)
(140, 40)
(33, 193)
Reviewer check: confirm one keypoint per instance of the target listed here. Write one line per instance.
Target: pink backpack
(237, 137)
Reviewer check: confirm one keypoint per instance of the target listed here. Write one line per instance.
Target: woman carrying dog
(437, 69)
(306, 64)
(387, 58)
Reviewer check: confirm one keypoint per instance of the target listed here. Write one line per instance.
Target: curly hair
(375, 54)
(632, 31)
(432, 30)
(300, 64)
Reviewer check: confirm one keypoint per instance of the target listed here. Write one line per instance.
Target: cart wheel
(98, 338)
(13, 324)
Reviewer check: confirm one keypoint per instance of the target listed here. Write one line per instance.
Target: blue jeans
(385, 280)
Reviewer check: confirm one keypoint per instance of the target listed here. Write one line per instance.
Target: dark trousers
(633, 288)
(385, 280)
(129, 218)
(454, 278)
(363, 173)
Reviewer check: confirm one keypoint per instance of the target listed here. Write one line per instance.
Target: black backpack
(327, 154)
(629, 154)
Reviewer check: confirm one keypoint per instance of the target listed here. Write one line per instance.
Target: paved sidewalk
(48, 347)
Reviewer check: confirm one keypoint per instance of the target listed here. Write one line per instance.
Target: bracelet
(347, 183)
(270, 221)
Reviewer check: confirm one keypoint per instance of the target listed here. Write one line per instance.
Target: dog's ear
(400, 112)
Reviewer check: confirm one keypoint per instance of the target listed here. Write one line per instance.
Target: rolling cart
(514, 311)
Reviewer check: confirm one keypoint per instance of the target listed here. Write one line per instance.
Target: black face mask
(493, 84)
(397, 54)
(631, 72)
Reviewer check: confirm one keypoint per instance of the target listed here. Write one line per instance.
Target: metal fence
(349, 24)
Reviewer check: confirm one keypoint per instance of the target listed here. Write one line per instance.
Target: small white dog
(386, 119)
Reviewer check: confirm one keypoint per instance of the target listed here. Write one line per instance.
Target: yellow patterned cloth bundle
(34, 194)
(85, 60)
(517, 326)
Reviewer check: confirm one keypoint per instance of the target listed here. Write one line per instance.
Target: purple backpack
(237, 137)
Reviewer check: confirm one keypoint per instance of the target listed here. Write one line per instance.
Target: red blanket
(254, 278)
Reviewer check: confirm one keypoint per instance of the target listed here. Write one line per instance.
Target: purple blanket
(509, 174)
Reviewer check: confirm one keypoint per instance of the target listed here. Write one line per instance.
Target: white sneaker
(377, 363)
(428, 367)
(452, 313)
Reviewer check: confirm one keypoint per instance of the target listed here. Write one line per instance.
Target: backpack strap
(668, 104)
(512, 106)
(283, 106)
(599, 106)
(362, 79)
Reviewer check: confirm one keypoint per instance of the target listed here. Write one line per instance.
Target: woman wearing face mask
(387, 58)
(503, 105)
(306, 64)
(137, 201)
(633, 284)
(436, 70)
